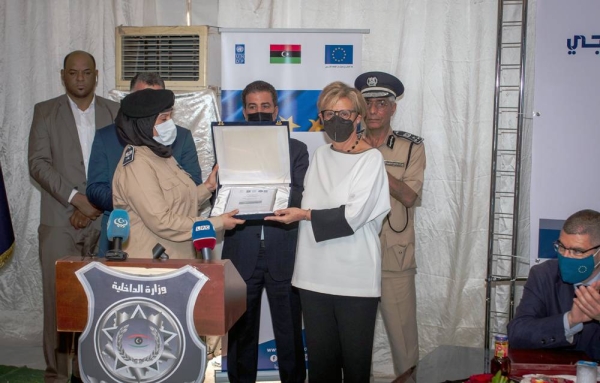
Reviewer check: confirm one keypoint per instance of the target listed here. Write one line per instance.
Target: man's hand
(401, 191)
(79, 220)
(588, 301)
(84, 206)
(576, 316)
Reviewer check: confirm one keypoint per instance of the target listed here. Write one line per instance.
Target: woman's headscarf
(137, 115)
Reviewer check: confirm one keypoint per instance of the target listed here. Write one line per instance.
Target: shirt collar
(74, 106)
(587, 283)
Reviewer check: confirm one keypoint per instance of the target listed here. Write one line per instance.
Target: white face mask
(167, 132)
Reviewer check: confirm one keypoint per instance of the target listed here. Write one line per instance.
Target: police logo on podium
(140, 328)
(139, 338)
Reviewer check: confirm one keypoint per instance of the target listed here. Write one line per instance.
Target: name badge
(394, 163)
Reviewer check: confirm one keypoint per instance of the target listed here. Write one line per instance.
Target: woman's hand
(289, 215)
(229, 222)
(211, 181)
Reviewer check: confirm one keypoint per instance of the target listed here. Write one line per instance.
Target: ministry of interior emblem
(139, 341)
(140, 328)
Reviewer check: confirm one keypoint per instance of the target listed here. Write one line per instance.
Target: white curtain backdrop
(442, 50)
(36, 35)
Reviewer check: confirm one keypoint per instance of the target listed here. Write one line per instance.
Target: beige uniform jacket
(162, 201)
(399, 248)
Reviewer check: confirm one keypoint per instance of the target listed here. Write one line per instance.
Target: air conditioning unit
(187, 58)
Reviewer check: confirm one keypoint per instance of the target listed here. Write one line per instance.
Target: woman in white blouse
(338, 260)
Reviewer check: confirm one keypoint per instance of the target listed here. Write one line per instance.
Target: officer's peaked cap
(378, 84)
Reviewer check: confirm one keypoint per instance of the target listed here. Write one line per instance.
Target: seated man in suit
(106, 153)
(560, 307)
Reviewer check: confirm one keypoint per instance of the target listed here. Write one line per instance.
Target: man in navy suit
(106, 153)
(264, 253)
(560, 307)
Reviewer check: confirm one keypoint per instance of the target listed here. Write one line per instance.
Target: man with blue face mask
(560, 307)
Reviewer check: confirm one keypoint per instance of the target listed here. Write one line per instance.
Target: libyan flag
(286, 54)
(7, 235)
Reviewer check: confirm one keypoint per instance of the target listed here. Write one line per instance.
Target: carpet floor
(12, 374)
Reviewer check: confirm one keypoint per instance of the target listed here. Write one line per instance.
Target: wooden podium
(221, 301)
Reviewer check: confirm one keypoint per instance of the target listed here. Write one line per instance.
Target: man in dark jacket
(264, 253)
(560, 307)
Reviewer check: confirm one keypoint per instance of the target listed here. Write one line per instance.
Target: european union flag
(7, 235)
(339, 54)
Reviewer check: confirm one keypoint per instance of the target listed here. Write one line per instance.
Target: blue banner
(548, 234)
(298, 107)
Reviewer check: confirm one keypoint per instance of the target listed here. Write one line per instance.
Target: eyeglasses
(378, 104)
(562, 250)
(345, 114)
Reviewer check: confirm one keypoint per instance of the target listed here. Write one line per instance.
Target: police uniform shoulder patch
(129, 154)
(409, 136)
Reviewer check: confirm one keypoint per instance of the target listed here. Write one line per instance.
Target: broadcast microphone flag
(204, 237)
(118, 225)
(117, 230)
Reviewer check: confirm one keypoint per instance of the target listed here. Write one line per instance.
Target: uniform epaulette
(408, 136)
(129, 154)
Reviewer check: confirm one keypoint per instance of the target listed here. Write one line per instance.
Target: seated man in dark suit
(560, 307)
(107, 149)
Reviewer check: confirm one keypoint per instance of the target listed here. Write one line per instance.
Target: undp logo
(240, 53)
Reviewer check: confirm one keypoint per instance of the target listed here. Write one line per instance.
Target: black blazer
(242, 244)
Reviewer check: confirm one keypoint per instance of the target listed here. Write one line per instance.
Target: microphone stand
(116, 253)
(158, 252)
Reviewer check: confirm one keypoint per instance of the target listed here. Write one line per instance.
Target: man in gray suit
(62, 132)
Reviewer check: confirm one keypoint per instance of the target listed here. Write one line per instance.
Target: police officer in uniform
(160, 197)
(404, 156)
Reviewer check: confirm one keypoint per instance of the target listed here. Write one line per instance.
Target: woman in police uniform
(162, 200)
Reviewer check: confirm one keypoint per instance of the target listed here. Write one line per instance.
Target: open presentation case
(254, 168)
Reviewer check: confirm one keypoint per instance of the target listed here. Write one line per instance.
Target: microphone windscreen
(204, 235)
(118, 225)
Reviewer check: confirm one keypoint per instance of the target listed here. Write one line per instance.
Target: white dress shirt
(86, 129)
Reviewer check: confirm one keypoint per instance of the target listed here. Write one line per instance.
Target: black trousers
(286, 317)
(339, 336)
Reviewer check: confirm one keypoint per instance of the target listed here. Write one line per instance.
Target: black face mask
(259, 116)
(338, 129)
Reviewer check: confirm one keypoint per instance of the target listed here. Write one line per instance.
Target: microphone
(117, 231)
(204, 237)
(158, 252)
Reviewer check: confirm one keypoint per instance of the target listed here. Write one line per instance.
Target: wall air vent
(179, 54)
